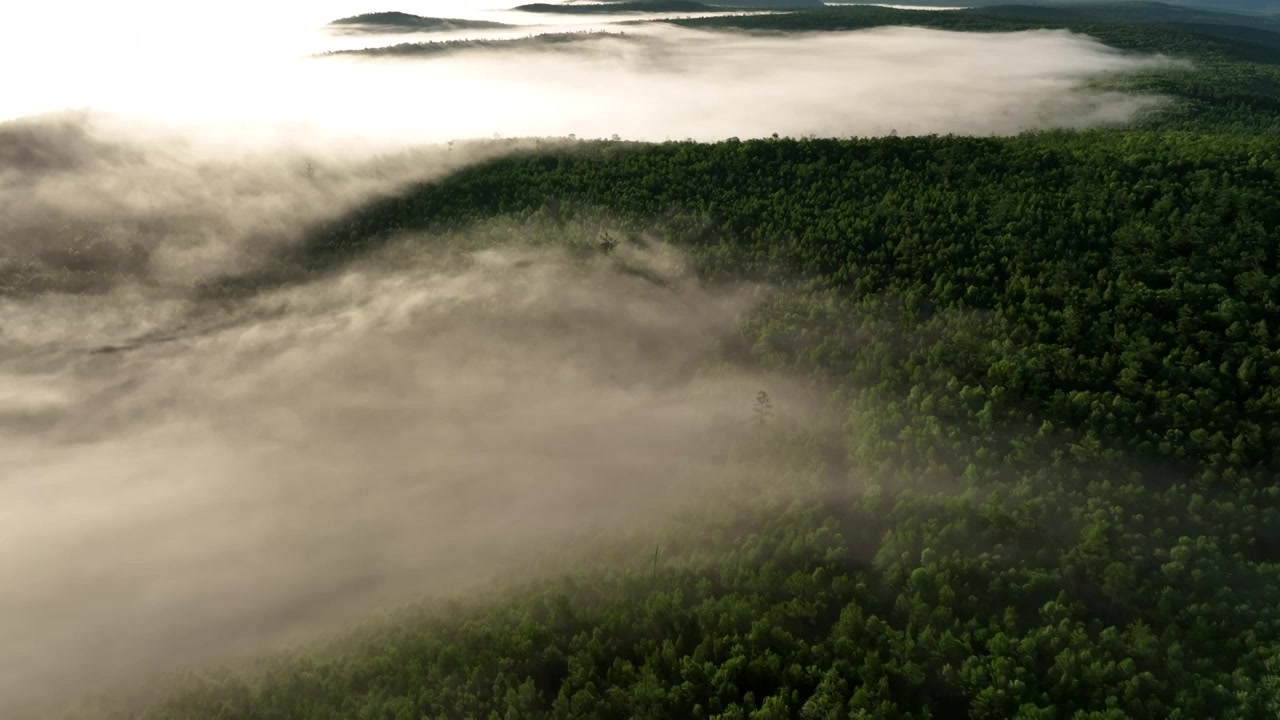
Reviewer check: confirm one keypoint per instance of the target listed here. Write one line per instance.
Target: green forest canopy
(1057, 493)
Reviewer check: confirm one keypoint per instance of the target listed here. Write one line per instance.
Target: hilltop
(405, 22)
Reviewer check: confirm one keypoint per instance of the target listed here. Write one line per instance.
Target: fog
(294, 461)
(90, 201)
(245, 65)
(184, 480)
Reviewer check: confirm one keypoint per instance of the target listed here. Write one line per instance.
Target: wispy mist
(248, 472)
(88, 202)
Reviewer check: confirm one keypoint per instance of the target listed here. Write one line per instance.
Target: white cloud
(249, 68)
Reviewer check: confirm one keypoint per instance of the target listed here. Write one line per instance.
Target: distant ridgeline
(618, 8)
(557, 41)
(394, 22)
(666, 6)
(1259, 7)
(767, 4)
(1130, 11)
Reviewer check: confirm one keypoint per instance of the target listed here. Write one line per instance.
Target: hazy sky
(243, 64)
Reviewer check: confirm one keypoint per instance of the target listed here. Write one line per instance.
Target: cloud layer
(251, 68)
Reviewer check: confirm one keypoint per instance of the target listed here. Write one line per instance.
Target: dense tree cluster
(1057, 360)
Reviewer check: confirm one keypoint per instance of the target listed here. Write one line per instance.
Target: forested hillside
(1057, 359)
(1056, 362)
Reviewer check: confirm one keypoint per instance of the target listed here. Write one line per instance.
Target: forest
(1055, 363)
